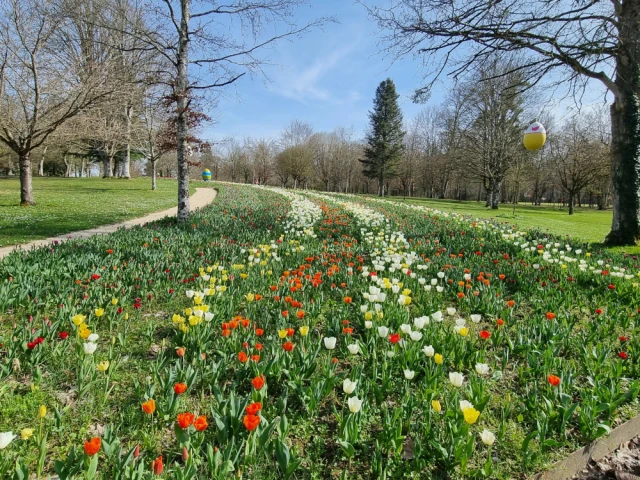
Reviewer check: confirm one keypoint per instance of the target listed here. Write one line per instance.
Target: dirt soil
(622, 464)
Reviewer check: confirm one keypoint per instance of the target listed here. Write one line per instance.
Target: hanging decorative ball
(535, 136)
(206, 175)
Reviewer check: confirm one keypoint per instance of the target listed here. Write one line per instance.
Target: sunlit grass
(65, 205)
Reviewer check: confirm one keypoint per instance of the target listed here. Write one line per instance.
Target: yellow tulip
(464, 331)
(177, 318)
(103, 366)
(282, 333)
(249, 297)
(470, 415)
(197, 300)
(304, 330)
(78, 319)
(126, 316)
(188, 311)
(84, 332)
(243, 276)
(368, 315)
(42, 411)
(26, 433)
(99, 312)
(436, 406)
(438, 358)
(406, 292)
(114, 301)
(193, 320)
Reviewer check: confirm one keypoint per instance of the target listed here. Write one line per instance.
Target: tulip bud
(157, 466)
(185, 454)
(136, 452)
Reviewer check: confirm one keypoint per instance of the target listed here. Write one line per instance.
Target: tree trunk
(126, 167)
(41, 165)
(67, 166)
(153, 175)
(571, 202)
(83, 168)
(495, 198)
(182, 93)
(107, 165)
(625, 167)
(26, 188)
(380, 187)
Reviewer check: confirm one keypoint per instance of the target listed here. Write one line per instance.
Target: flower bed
(285, 334)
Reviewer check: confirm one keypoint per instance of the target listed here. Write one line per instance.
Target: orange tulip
(258, 382)
(200, 423)
(149, 406)
(92, 446)
(185, 420)
(251, 422)
(157, 466)
(180, 388)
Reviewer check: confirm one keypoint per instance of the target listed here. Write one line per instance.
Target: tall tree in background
(385, 140)
(590, 39)
(42, 83)
(209, 45)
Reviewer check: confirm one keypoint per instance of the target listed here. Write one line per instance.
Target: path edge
(596, 450)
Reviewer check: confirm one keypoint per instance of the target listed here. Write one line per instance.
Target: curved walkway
(202, 197)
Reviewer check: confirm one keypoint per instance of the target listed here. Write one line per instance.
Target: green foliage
(385, 140)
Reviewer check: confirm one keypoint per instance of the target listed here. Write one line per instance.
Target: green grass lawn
(65, 205)
(588, 225)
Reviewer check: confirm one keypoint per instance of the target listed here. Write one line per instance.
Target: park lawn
(586, 224)
(66, 205)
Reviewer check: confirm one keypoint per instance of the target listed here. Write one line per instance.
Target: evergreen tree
(385, 140)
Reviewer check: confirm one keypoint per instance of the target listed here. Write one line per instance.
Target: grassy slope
(68, 204)
(589, 225)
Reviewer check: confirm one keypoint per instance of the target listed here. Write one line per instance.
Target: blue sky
(328, 78)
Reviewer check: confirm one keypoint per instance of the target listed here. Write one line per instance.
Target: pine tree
(385, 139)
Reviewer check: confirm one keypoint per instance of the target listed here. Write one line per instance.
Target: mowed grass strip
(586, 224)
(65, 205)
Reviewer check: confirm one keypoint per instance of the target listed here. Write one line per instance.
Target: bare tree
(201, 34)
(38, 91)
(586, 40)
(579, 158)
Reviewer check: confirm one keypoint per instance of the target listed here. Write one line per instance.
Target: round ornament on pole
(535, 136)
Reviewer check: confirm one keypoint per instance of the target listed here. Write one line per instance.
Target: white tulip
(461, 322)
(440, 274)
(190, 293)
(487, 437)
(348, 386)
(429, 351)
(368, 324)
(198, 313)
(93, 337)
(364, 308)
(405, 328)
(391, 353)
(482, 368)
(330, 343)
(409, 374)
(416, 336)
(456, 379)
(434, 281)
(475, 318)
(208, 316)
(420, 322)
(355, 404)
(465, 404)
(383, 332)
(437, 316)
(89, 348)
(451, 311)
(5, 439)
(354, 348)
(439, 289)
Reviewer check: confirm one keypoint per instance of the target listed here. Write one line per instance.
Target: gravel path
(202, 197)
